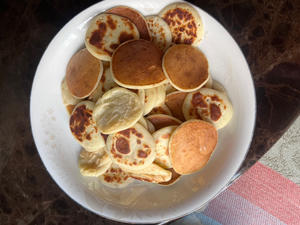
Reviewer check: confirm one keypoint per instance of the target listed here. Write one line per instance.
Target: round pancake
(218, 86)
(135, 17)
(153, 174)
(160, 121)
(150, 100)
(169, 88)
(150, 126)
(137, 64)
(106, 32)
(186, 67)
(191, 146)
(83, 127)
(162, 109)
(161, 138)
(83, 74)
(159, 31)
(115, 177)
(105, 84)
(93, 164)
(184, 22)
(209, 105)
(68, 99)
(209, 82)
(131, 149)
(118, 109)
(175, 177)
(174, 101)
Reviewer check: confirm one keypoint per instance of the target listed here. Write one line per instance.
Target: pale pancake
(186, 67)
(161, 138)
(153, 174)
(143, 122)
(150, 100)
(105, 84)
(150, 126)
(209, 82)
(209, 105)
(68, 99)
(191, 146)
(175, 177)
(106, 32)
(132, 149)
(118, 109)
(162, 109)
(135, 17)
(140, 93)
(115, 177)
(83, 127)
(174, 101)
(137, 64)
(159, 31)
(83, 74)
(218, 86)
(93, 164)
(185, 23)
(160, 121)
(160, 96)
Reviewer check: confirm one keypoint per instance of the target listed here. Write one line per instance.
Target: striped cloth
(260, 197)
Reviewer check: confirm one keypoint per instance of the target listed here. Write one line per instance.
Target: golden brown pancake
(191, 146)
(160, 121)
(186, 67)
(137, 64)
(83, 74)
(174, 102)
(135, 17)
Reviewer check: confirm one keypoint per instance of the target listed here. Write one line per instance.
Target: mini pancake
(159, 31)
(68, 99)
(93, 164)
(105, 84)
(186, 67)
(161, 138)
(185, 23)
(135, 17)
(153, 174)
(131, 149)
(118, 109)
(137, 64)
(209, 105)
(150, 126)
(106, 32)
(218, 86)
(83, 127)
(115, 177)
(143, 122)
(83, 74)
(191, 146)
(160, 121)
(209, 82)
(175, 177)
(150, 100)
(174, 101)
(162, 109)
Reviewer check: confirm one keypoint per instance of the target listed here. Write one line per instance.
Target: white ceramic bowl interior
(140, 202)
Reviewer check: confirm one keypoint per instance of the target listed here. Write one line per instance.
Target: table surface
(268, 33)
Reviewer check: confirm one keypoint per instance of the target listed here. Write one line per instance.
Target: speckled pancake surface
(106, 32)
(174, 101)
(83, 74)
(135, 17)
(185, 23)
(118, 109)
(93, 164)
(191, 146)
(84, 128)
(186, 67)
(160, 120)
(137, 64)
(115, 177)
(210, 105)
(161, 138)
(159, 31)
(132, 149)
(68, 99)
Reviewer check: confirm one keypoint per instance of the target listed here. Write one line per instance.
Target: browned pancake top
(186, 66)
(174, 102)
(160, 121)
(138, 63)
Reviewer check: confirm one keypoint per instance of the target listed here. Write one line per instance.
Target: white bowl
(140, 202)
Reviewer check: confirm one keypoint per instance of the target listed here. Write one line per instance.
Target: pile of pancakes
(141, 100)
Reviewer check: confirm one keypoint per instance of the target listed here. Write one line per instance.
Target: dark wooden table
(268, 32)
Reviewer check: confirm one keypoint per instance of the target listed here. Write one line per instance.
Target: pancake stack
(142, 102)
